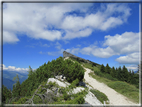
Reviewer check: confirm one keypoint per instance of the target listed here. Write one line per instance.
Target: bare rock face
(67, 54)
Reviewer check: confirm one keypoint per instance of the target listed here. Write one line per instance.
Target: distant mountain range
(9, 75)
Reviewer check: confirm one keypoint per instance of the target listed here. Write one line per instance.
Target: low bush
(21, 101)
(100, 96)
(74, 84)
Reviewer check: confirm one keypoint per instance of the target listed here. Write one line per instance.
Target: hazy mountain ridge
(9, 75)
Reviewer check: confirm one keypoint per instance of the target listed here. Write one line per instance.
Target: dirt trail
(114, 97)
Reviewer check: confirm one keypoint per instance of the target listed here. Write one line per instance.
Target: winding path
(114, 97)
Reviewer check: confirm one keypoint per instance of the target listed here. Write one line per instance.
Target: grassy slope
(126, 89)
(130, 91)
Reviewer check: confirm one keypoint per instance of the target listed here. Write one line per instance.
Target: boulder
(81, 83)
(62, 84)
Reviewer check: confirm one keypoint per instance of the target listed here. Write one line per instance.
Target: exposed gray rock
(62, 84)
(81, 83)
(49, 91)
(91, 99)
(67, 54)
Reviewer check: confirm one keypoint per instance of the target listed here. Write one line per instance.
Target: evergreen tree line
(69, 69)
(121, 74)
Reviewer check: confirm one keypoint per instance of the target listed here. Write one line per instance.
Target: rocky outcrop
(67, 54)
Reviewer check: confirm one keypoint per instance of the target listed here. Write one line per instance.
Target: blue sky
(35, 33)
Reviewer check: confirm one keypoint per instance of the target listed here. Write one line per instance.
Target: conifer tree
(116, 73)
(102, 68)
(108, 69)
(129, 76)
(119, 77)
(125, 74)
(30, 71)
(112, 73)
(16, 87)
(6, 94)
(132, 77)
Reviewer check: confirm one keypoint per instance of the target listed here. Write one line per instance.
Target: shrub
(79, 100)
(100, 96)
(66, 96)
(74, 84)
(21, 101)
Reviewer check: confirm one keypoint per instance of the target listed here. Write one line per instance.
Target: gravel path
(114, 97)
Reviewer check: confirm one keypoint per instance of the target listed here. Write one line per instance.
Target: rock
(89, 87)
(72, 98)
(60, 77)
(67, 54)
(81, 83)
(49, 91)
(62, 84)
(91, 99)
(77, 90)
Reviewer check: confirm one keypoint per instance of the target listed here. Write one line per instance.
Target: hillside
(28, 88)
(68, 82)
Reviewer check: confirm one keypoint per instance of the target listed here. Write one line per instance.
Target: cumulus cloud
(55, 53)
(50, 21)
(132, 67)
(123, 43)
(9, 37)
(126, 44)
(13, 68)
(58, 45)
(130, 58)
(82, 33)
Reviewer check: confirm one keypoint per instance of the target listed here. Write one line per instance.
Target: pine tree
(112, 73)
(102, 68)
(119, 77)
(16, 87)
(125, 74)
(108, 69)
(6, 94)
(132, 77)
(129, 76)
(116, 73)
(30, 71)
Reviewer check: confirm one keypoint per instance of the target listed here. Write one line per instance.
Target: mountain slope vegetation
(33, 89)
(119, 79)
(67, 68)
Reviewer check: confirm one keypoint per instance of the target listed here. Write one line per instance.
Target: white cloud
(55, 53)
(102, 20)
(9, 37)
(119, 44)
(132, 67)
(123, 43)
(74, 50)
(58, 45)
(130, 58)
(111, 22)
(87, 50)
(13, 68)
(41, 21)
(82, 33)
